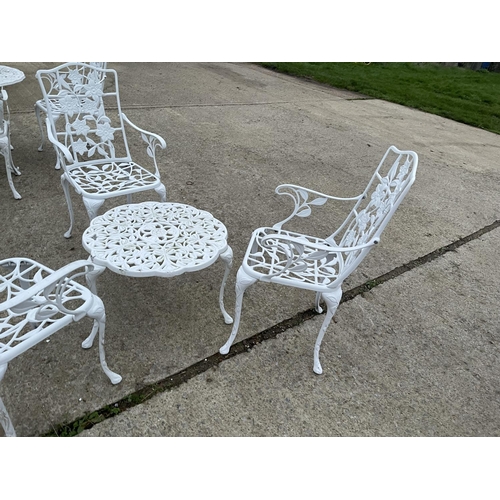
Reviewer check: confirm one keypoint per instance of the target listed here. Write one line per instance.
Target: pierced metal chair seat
(269, 258)
(36, 302)
(118, 178)
(89, 135)
(322, 264)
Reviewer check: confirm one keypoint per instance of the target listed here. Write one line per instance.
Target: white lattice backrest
(85, 115)
(385, 191)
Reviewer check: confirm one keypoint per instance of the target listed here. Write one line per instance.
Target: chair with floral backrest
(90, 137)
(5, 145)
(41, 107)
(321, 265)
(36, 302)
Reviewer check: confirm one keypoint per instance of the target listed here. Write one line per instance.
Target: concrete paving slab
(234, 132)
(416, 356)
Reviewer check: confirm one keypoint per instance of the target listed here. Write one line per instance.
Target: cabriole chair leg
(332, 300)
(243, 281)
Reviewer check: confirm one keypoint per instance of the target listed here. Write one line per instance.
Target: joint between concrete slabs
(245, 345)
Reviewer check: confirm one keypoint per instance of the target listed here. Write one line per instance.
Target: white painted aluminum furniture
(5, 145)
(36, 302)
(90, 137)
(157, 239)
(321, 265)
(8, 76)
(41, 107)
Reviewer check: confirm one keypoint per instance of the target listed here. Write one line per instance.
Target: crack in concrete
(245, 345)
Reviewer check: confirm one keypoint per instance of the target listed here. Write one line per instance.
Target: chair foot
(114, 377)
(317, 369)
(225, 348)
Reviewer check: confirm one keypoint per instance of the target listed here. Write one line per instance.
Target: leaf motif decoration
(303, 194)
(304, 212)
(318, 201)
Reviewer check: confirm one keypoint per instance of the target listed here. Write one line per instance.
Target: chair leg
(162, 192)
(9, 169)
(243, 281)
(227, 258)
(58, 161)
(5, 420)
(98, 314)
(65, 186)
(332, 300)
(40, 126)
(318, 308)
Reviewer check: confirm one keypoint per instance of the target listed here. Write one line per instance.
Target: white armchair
(89, 136)
(321, 265)
(36, 302)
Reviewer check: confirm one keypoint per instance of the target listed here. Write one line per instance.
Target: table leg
(227, 258)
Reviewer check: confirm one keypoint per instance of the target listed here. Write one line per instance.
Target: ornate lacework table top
(155, 239)
(9, 76)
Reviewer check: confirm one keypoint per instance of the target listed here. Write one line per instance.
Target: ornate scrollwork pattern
(294, 257)
(155, 239)
(300, 197)
(60, 298)
(378, 203)
(275, 254)
(91, 139)
(111, 177)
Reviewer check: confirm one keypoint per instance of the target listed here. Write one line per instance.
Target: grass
(463, 95)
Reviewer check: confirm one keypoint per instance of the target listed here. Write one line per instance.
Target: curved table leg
(227, 258)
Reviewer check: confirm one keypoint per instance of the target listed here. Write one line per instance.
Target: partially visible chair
(5, 145)
(41, 106)
(321, 265)
(36, 302)
(90, 137)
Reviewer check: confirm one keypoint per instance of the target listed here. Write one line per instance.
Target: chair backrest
(84, 114)
(386, 190)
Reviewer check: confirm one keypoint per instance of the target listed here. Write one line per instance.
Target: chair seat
(116, 178)
(299, 264)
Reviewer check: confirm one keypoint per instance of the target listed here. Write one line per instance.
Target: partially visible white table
(157, 239)
(10, 76)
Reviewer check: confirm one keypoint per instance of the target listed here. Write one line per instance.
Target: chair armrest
(326, 249)
(21, 302)
(152, 140)
(61, 147)
(299, 250)
(300, 196)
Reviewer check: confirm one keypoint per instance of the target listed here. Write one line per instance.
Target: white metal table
(157, 239)
(10, 76)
